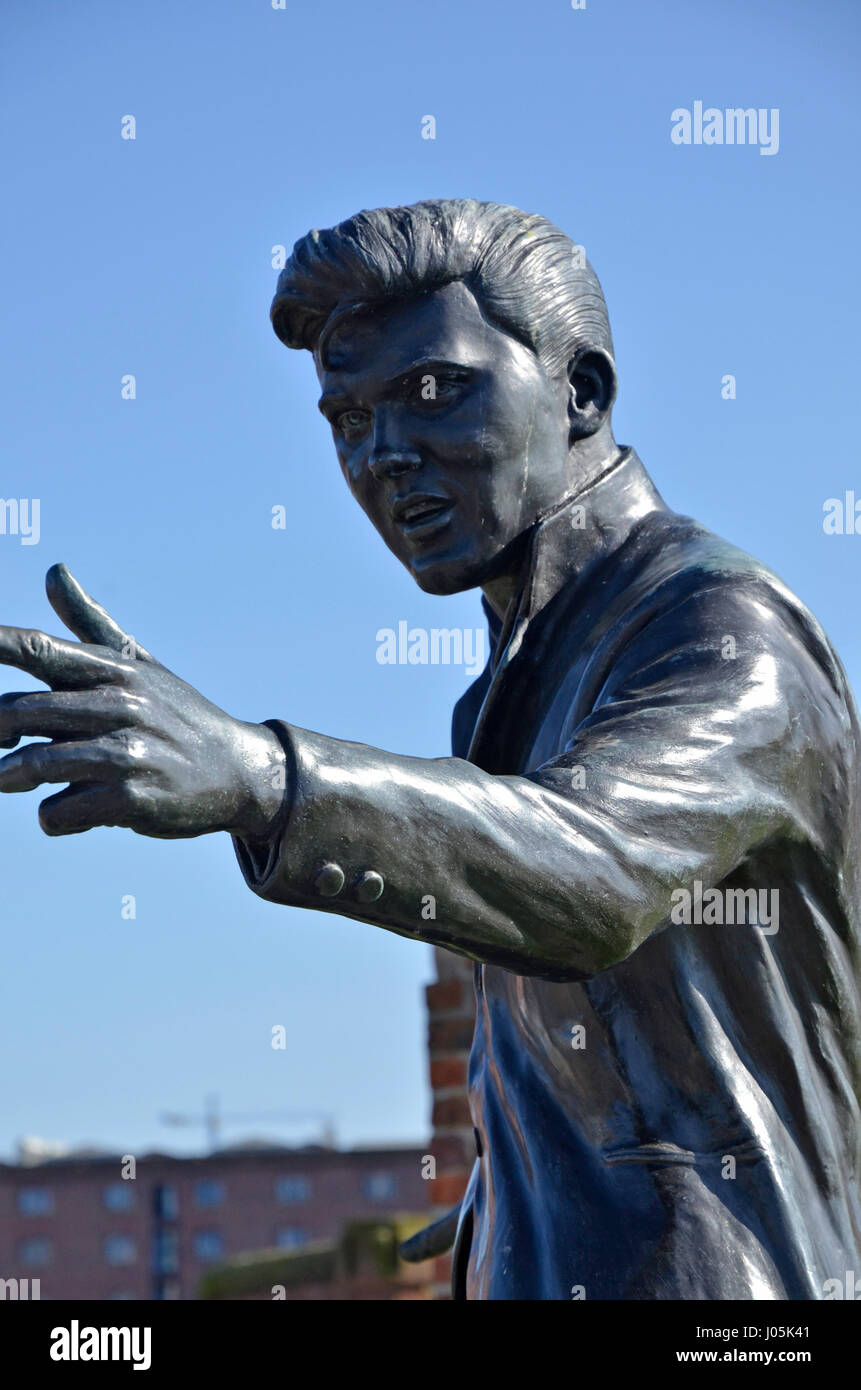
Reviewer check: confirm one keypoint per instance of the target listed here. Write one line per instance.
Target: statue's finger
(81, 807)
(85, 617)
(59, 713)
(70, 665)
(99, 760)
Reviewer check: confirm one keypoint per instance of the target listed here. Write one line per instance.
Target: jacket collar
(569, 539)
(567, 545)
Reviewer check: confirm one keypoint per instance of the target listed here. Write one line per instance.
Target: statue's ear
(592, 391)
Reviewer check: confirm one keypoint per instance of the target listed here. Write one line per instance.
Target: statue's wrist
(264, 783)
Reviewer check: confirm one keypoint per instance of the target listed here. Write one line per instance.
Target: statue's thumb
(89, 621)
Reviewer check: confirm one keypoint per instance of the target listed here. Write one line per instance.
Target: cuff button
(329, 880)
(368, 886)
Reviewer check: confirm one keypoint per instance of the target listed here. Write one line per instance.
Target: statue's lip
(419, 508)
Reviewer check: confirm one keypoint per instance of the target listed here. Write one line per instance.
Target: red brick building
(84, 1227)
(86, 1231)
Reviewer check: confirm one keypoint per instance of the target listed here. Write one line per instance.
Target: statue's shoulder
(683, 555)
(683, 562)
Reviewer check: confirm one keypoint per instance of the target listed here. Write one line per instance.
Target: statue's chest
(538, 698)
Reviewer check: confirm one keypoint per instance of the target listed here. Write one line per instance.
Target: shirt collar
(568, 540)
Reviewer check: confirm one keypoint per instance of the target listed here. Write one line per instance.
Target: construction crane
(213, 1119)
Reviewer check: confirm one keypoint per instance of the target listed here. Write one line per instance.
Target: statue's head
(465, 360)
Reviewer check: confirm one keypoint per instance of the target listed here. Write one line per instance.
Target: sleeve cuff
(258, 859)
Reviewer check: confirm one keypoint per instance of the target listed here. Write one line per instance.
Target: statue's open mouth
(420, 514)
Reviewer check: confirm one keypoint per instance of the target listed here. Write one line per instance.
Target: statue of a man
(648, 836)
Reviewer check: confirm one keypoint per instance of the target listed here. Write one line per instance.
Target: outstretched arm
(687, 763)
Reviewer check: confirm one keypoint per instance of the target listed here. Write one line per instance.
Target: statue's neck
(589, 459)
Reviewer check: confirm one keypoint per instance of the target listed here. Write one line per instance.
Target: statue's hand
(139, 746)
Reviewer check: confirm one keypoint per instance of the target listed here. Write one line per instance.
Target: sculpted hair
(529, 278)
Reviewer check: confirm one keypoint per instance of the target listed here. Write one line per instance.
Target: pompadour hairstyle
(529, 278)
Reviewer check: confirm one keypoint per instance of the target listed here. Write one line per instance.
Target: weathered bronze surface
(648, 836)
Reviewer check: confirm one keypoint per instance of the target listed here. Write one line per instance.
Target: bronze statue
(648, 836)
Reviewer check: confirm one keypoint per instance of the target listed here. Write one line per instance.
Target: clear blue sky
(153, 257)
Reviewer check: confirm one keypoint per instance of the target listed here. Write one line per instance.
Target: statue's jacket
(664, 1079)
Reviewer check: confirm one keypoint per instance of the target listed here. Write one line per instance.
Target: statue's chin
(443, 581)
(455, 575)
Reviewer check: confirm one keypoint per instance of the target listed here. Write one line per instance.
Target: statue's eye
(352, 422)
(432, 388)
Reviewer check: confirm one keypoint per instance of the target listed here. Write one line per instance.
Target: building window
(36, 1201)
(380, 1187)
(120, 1250)
(118, 1196)
(36, 1250)
(208, 1245)
(165, 1252)
(209, 1192)
(165, 1203)
(291, 1237)
(293, 1189)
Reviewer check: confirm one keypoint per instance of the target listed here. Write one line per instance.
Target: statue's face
(450, 433)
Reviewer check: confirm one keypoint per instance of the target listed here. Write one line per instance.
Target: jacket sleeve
(709, 736)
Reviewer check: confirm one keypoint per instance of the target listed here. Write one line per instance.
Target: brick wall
(451, 1019)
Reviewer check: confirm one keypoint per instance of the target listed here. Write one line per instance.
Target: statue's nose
(391, 453)
(390, 463)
